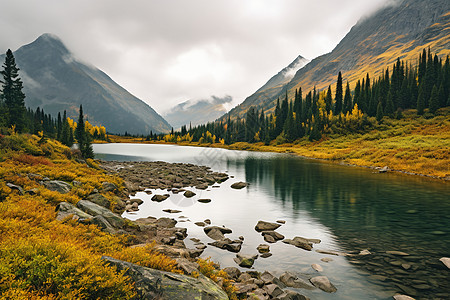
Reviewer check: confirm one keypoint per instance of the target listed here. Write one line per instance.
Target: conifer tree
(338, 97)
(347, 99)
(328, 100)
(434, 100)
(389, 110)
(420, 101)
(379, 111)
(12, 94)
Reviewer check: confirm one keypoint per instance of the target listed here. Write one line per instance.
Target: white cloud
(166, 52)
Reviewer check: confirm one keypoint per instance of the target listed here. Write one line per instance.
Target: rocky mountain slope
(401, 29)
(55, 81)
(197, 112)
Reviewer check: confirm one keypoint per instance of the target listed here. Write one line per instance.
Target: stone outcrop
(93, 209)
(155, 284)
(58, 186)
(65, 209)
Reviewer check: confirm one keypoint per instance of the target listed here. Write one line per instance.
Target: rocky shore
(143, 176)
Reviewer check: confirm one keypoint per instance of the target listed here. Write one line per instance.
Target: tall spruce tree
(338, 97)
(434, 100)
(12, 94)
(347, 99)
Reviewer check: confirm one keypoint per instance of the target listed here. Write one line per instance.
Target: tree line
(424, 87)
(15, 117)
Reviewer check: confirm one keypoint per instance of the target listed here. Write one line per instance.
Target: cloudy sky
(169, 51)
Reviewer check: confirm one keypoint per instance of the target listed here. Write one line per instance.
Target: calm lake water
(350, 209)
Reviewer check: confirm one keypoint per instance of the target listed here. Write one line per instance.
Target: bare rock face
(154, 284)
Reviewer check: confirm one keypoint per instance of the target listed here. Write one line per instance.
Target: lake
(349, 209)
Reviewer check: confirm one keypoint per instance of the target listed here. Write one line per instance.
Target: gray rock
(261, 294)
(269, 239)
(326, 259)
(65, 209)
(216, 232)
(233, 272)
(202, 186)
(267, 277)
(317, 267)
(207, 221)
(402, 297)
(323, 283)
(166, 222)
(154, 284)
(93, 209)
(204, 200)
(266, 226)
(300, 242)
(244, 277)
(245, 261)
(239, 185)
(201, 224)
(99, 199)
(244, 288)
(103, 224)
(109, 187)
(291, 280)
(233, 247)
(291, 295)
(266, 255)
(15, 187)
(445, 261)
(171, 211)
(277, 236)
(160, 198)
(33, 191)
(137, 201)
(186, 265)
(58, 186)
(189, 194)
(263, 248)
(273, 290)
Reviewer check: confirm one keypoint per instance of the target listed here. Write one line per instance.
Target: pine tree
(380, 111)
(389, 110)
(347, 99)
(434, 100)
(338, 97)
(12, 95)
(328, 100)
(420, 101)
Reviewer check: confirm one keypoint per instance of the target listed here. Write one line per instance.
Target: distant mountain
(401, 29)
(56, 81)
(271, 88)
(197, 112)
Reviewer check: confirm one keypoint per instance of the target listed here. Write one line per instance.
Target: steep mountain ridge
(401, 29)
(55, 80)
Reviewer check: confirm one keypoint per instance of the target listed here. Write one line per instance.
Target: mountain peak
(49, 43)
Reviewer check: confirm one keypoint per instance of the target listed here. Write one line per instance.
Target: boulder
(160, 198)
(103, 224)
(291, 280)
(15, 187)
(402, 297)
(317, 267)
(137, 201)
(233, 247)
(445, 261)
(65, 209)
(291, 295)
(277, 236)
(233, 272)
(266, 255)
(269, 239)
(171, 211)
(300, 242)
(263, 248)
(273, 290)
(99, 199)
(186, 265)
(93, 209)
(202, 186)
(204, 200)
(58, 186)
(201, 224)
(166, 222)
(216, 232)
(267, 277)
(189, 194)
(245, 261)
(154, 284)
(207, 221)
(323, 283)
(109, 187)
(239, 185)
(244, 288)
(266, 226)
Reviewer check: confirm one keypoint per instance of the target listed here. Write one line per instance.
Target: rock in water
(189, 194)
(245, 261)
(317, 267)
(160, 198)
(403, 297)
(266, 226)
(323, 283)
(239, 185)
(155, 284)
(446, 261)
(291, 280)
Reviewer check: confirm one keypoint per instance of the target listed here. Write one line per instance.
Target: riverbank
(413, 145)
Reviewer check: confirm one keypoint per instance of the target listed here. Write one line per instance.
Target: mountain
(197, 112)
(271, 88)
(401, 29)
(55, 80)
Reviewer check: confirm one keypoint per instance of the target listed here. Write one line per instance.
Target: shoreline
(242, 146)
